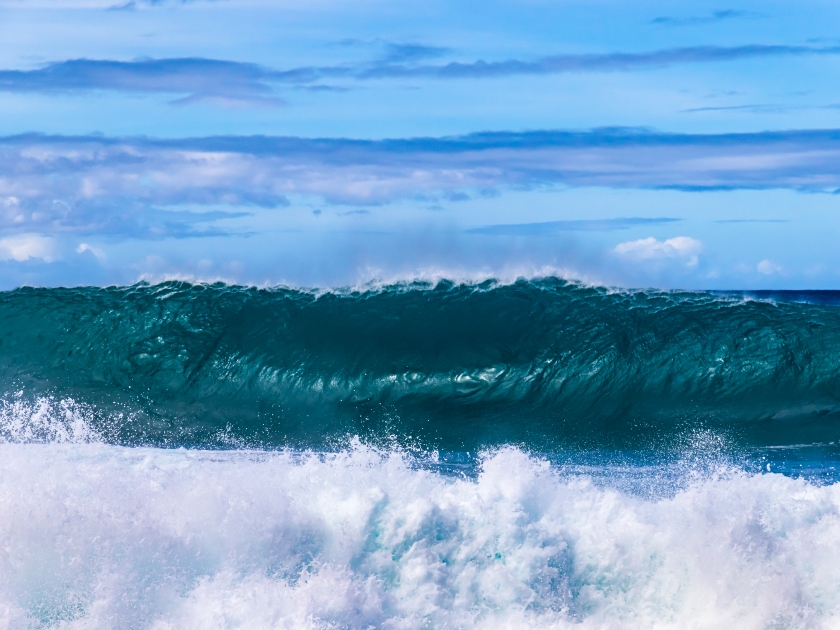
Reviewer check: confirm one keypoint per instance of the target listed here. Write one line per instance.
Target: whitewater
(100, 536)
(533, 455)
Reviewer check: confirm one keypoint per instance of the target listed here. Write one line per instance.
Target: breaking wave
(547, 364)
(98, 536)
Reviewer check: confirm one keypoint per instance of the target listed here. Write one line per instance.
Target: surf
(98, 536)
(533, 454)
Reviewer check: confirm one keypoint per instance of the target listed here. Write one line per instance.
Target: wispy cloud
(757, 108)
(133, 5)
(390, 51)
(196, 79)
(102, 5)
(402, 53)
(581, 225)
(610, 62)
(752, 221)
(716, 16)
(145, 187)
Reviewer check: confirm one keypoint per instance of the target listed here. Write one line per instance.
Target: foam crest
(45, 419)
(98, 536)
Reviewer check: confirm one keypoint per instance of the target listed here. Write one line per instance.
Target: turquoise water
(540, 454)
(544, 364)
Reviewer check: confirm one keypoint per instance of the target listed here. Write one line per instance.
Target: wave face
(547, 364)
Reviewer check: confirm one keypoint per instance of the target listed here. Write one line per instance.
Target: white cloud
(26, 246)
(768, 267)
(84, 247)
(679, 247)
(97, 185)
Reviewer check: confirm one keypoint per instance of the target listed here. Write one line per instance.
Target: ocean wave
(98, 536)
(546, 363)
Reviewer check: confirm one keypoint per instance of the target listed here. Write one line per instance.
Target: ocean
(535, 454)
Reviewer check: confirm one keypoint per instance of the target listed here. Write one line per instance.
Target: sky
(327, 143)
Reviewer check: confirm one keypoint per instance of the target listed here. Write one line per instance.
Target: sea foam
(101, 536)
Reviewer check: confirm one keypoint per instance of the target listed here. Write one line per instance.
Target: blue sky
(328, 143)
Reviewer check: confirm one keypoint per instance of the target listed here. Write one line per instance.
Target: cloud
(397, 52)
(716, 16)
(95, 251)
(133, 5)
(87, 201)
(758, 108)
(752, 221)
(197, 78)
(110, 5)
(230, 82)
(768, 267)
(402, 53)
(611, 62)
(683, 247)
(156, 188)
(582, 225)
(25, 246)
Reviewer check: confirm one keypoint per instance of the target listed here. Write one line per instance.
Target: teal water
(545, 364)
(540, 454)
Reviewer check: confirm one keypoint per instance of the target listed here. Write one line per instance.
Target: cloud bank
(196, 79)
(155, 188)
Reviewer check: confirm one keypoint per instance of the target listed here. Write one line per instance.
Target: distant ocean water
(538, 454)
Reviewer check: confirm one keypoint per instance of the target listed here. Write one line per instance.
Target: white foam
(374, 279)
(46, 419)
(97, 536)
